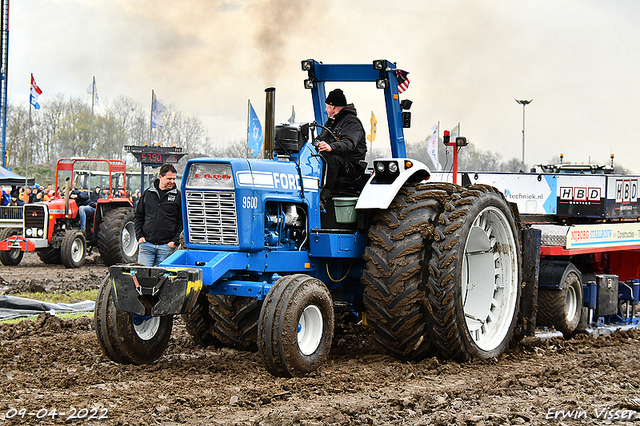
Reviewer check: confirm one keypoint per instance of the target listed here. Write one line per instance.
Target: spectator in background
(50, 196)
(6, 196)
(21, 197)
(15, 196)
(33, 197)
(135, 198)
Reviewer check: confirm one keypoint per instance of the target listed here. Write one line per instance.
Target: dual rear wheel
(443, 273)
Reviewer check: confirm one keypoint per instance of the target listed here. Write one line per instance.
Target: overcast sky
(579, 60)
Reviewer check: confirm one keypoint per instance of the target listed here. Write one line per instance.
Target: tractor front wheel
(10, 257)
(73, 249)
(296, 326)
(129, 338)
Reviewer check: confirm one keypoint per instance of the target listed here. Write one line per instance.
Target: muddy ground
(52, 364)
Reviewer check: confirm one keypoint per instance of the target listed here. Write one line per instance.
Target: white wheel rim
(490, 279)
(148, 328)
(77, 250)
(571, 303)
(310, 329)
(129, 244)
(14, 254)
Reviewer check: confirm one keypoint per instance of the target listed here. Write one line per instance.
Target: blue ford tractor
(431, 267)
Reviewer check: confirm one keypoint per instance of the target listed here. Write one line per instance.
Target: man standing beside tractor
(158, 218)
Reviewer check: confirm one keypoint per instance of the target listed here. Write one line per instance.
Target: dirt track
(51, 364)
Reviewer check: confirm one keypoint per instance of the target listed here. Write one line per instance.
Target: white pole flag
(433, 146)
(455, 132)
(157, 109)
(93, 91)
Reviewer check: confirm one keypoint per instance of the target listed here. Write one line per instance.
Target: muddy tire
(296, 326)
(199, 323)
(104, 323)
(73, 249)
(235, 320)
(562, 309)
(473, 285)
(117, 242)
(393, 277)
(128, 338)
(10, 257)
(50, 256)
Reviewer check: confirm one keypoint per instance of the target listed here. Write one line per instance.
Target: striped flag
(35, 93)
(403, 80)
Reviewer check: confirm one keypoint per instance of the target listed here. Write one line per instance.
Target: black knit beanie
(336, 98)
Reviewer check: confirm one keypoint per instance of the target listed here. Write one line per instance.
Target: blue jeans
(83, 213)
(152, 254)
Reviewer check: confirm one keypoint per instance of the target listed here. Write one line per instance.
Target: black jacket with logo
(347, 128)
(158, 220)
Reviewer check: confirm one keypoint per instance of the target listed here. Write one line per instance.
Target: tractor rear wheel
(10, 257)
(393, 278)
(117, 242)
(562, 309)
(199, 323)
(73, 249)
(296, 326)
(50, 256)
(235, 320)
(129, 338)
(473, 286)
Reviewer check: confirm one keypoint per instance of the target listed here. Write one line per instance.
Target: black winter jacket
(347, 128)
(159, 221)
(84, 198)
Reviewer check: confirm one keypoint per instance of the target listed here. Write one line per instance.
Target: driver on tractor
(342, 144)
(86, 202)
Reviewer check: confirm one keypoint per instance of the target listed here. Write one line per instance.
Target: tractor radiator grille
(34, 216)
(212, 217)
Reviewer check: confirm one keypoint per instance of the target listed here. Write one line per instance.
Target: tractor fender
(379, 192)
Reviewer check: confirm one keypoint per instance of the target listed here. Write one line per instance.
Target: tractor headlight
(40, 232)
(29, 232)
(386, 171)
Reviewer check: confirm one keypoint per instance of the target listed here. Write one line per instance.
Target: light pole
(524, 103)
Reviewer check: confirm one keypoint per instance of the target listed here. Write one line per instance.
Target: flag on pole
(35, 93)
(455, 132)
(433, 146)
(403, 80)
(254, 131)
(292, 119)
(157, 109)
(374, 128)
(92, 90)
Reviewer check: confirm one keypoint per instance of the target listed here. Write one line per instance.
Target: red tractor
(52, 229)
